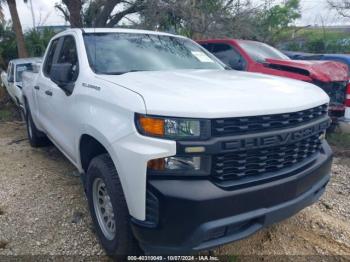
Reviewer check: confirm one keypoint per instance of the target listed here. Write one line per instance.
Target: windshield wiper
(122, 72)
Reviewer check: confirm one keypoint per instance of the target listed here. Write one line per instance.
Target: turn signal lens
(156, 164)
(152, 126)
(180, 165)
(172, 128)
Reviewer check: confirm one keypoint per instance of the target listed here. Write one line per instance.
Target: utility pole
(33, 15)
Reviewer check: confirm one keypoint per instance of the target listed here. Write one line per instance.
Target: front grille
(255, 124)
(261, 162)
(335, 90)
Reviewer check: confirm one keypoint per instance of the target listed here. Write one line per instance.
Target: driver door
(58, 106)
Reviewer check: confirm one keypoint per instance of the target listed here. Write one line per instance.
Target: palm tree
(17, 27)
(2, 17)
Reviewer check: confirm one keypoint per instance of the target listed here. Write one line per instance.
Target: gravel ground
(43, 209)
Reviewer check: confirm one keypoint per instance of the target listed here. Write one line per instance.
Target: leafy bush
(36, 42)
(8, 47)
(317, 41)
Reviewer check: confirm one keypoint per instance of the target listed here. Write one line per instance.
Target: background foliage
(36, 42)
(317, 40)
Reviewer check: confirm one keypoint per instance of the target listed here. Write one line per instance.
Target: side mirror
(10, 79)
(61, 75)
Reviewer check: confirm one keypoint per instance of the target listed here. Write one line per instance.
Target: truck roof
(25, 60)
(115, 30)
(227, 39)
(345, 57)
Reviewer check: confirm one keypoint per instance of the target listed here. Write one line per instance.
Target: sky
(313, 12)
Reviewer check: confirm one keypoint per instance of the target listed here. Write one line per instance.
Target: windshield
(20, 69)
(118, 53)
(259, 52)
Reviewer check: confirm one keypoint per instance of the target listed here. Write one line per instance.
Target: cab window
(22, 68)
(68, 55)
(229, 55)
(10, 73)
(49, 57)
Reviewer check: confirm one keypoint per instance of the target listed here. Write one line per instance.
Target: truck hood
(324, 71)
(219, 93)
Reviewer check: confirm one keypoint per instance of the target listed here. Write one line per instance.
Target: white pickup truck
(12, 79)
(177, 153)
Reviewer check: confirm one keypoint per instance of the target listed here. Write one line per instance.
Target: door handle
(48, 92)
(36, 87)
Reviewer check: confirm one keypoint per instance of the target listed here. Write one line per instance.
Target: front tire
(108, 208)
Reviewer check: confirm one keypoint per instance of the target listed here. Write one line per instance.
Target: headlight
(180, 165)
(173, 128)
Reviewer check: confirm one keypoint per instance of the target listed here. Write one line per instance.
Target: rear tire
(108, 208)
(36, 138)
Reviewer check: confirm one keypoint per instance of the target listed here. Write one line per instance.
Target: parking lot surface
(43, 209)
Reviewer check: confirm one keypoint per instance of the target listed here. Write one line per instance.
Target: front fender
(130, 155)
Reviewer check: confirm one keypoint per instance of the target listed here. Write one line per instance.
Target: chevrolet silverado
(177, 152)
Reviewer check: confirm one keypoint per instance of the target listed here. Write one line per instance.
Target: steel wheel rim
(103, 209)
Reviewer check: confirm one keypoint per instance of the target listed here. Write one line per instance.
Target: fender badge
(91, 86)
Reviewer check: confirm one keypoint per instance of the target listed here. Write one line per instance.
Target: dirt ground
(43, 209)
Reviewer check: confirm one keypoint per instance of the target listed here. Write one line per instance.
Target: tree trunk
(102, 17)
(74, 7)
(16, 23)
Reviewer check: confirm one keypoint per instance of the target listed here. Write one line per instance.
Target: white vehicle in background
(13, 78)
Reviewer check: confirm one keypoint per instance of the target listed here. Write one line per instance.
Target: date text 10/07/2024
(173, 258)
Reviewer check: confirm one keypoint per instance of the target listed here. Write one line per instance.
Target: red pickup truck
(244, 55)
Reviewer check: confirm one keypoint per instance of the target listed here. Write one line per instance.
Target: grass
(339, 140)
(3, 93)
(5, 114)
(8, 111)
(232, 258)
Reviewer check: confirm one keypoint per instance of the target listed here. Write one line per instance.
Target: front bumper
(197, 215)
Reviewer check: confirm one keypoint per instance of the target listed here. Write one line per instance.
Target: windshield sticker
(202, 57)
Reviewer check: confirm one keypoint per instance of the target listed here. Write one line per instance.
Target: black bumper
(196, 214)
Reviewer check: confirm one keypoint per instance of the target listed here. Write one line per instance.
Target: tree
(8, 47)
(193, 18)
(71, 10)
(98, 13)
(17, 27)
(273, 20)
(257, 20)
(2, 16)
(341, 6)
(37, 41)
